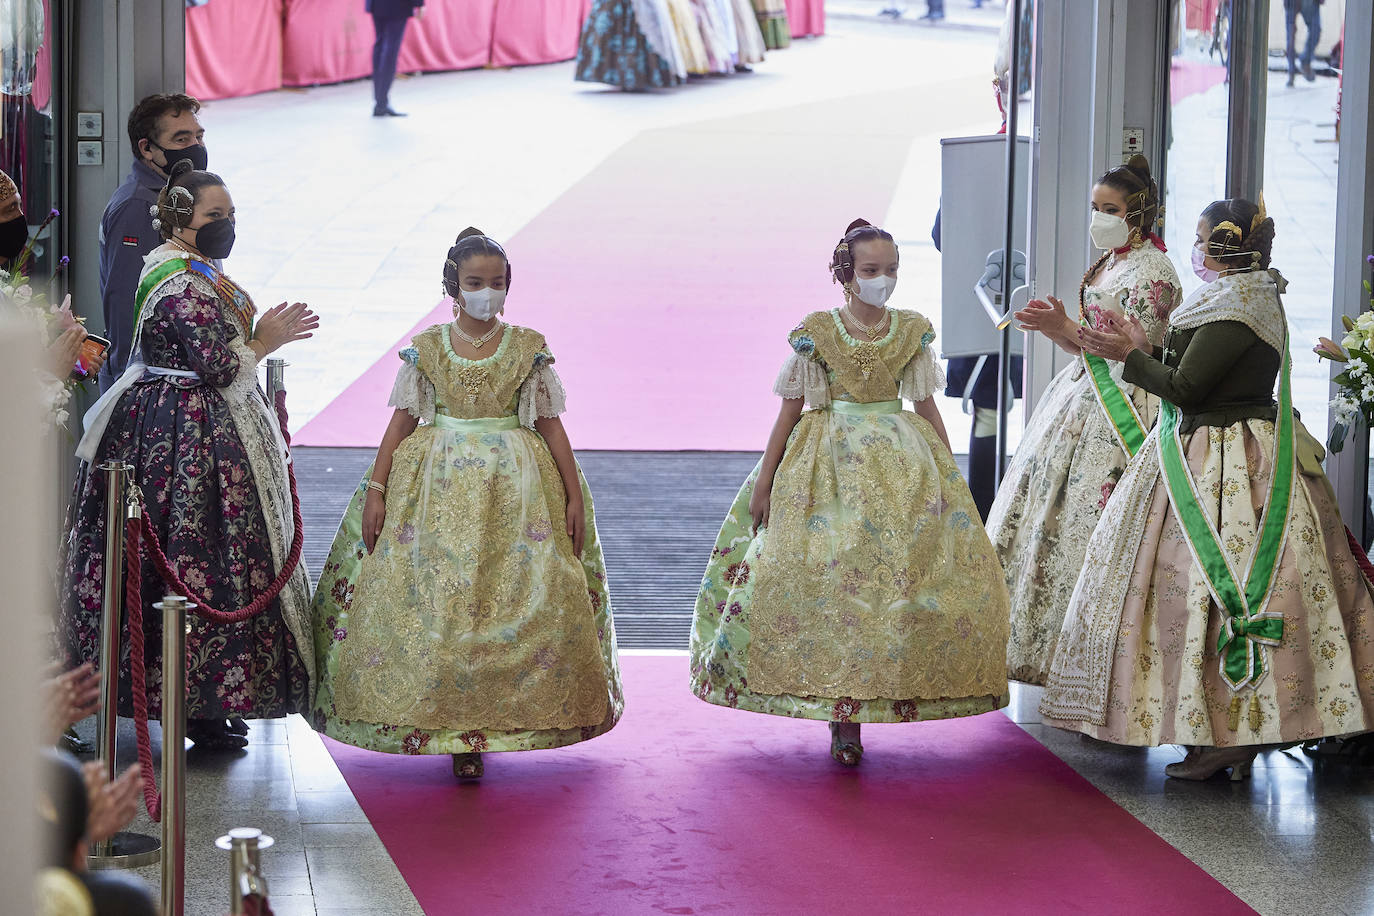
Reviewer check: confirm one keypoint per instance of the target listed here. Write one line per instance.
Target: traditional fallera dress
(630, 44)
(207, 452)
(772, 17)
(1219, 603)
(1075, 447)
(873, 594)
(472, 626)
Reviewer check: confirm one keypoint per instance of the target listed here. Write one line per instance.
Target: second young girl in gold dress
(852, 580)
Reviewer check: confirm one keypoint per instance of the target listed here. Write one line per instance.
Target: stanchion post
(276, 377)
(174, 608)
(125, 849)
(245, 867)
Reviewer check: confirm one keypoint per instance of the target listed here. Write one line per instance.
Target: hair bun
(468, 233)
(1140, 165)
(179, 168)
(858, 223)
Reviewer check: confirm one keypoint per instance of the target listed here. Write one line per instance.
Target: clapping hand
(283, 324)
(1116, 342)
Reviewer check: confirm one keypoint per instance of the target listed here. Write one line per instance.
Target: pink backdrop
(233, 47)
(238, 47)
(806, 17)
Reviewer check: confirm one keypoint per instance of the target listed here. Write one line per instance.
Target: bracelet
(379, 487)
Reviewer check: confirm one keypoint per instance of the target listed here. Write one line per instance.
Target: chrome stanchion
(125, 849)
(276, 377)
(174, 625)
(245, 868)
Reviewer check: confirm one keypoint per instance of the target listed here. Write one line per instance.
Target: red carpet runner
(667, 279)
(686, 808)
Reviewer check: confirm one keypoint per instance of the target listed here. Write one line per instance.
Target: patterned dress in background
(213, 477)
(772, 16)
(873, 594)
(472, 626)
(1066, 467)
(630, 44)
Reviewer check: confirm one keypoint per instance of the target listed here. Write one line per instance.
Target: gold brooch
(866, 355)
(472, 378)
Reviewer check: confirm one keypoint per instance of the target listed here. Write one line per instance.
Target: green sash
(152, 280)
(1130, 432)
(478, 424)
(866, 409)
(1248, 625)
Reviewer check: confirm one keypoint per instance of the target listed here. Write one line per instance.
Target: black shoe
(1307, 73)
(1291, 74)
(387, 112)
(933, 17)
(75, 746)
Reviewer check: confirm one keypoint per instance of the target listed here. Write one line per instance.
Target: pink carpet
(1188, 77)
(687, 808)
(667, 279)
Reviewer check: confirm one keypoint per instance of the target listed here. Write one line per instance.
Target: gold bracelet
(379, 487)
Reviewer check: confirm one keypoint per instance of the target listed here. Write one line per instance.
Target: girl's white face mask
(1109, 231)
(482, 304)
(875, 290)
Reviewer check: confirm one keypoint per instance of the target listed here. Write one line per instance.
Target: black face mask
(197, 155)
(14, 235)
(216, 238)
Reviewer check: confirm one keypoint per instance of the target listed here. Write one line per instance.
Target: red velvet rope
(138, 675)
(1360, 557)
(135, 530)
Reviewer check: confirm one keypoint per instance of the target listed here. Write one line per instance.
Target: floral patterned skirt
(1142, 625)
(873, 595)
(1053, 493)
(615, 50)
(472, 626)
(203, 502)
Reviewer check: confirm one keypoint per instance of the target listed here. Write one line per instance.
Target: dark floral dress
(203, 500)
(614, 49)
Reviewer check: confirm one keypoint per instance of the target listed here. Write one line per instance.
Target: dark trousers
(1312, 18)
(387, 48)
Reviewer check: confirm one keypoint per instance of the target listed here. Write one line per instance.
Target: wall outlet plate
(90, 124)
(1133, 140)
(90, 152)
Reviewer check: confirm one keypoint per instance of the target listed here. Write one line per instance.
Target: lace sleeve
(922, 377)
(413, 392)
(803, 377)
(541, 394)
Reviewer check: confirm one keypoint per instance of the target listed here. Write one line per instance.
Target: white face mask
(875, 290)
(484, 303)
(1108, 230)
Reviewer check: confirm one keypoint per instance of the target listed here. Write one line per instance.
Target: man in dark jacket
(162, 129)
(389, 17)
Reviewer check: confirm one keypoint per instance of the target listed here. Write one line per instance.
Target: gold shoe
(848, 753)
(1205, 762)
(467, 766)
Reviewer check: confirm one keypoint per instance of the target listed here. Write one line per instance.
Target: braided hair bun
(842, 258)
(471, 243)
(176, 202)
(1241, 237)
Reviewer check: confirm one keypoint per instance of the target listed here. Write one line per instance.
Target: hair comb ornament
(841, 262)
(1260, 214)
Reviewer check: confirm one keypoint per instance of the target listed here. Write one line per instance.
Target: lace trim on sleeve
(413, 392)
(803, 377)
(922, 377)
(541, 394)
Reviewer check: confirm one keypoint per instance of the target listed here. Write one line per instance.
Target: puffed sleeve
(922, 376)
(413, 391)
(541, 394)
(803, 374)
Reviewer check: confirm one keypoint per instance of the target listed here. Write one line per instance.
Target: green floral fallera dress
(873, 595)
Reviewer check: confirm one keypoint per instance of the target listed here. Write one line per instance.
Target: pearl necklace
(477, 342)
(871, 331)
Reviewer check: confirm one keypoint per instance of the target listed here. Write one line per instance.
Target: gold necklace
(870, 331)
(478, 341)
